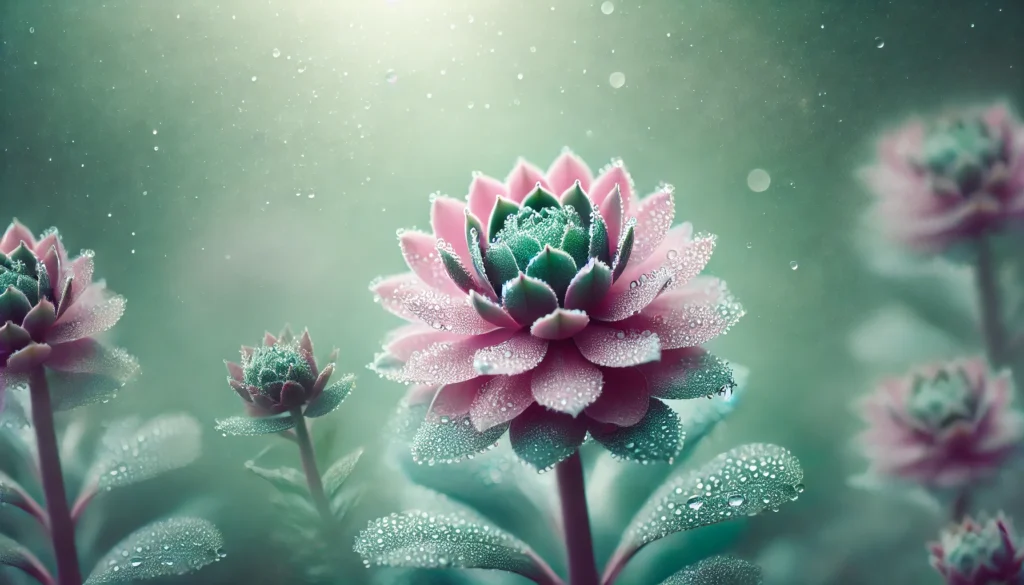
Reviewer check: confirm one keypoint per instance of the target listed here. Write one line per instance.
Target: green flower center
(962, 151)
(967, 550)
(277, 363)
(528, 231)
(943, 400)
(19, 271)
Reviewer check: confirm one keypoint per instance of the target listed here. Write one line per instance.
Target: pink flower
(554, 304)
(956, 178)
(970, 553)
(944, 425)
(50, 309)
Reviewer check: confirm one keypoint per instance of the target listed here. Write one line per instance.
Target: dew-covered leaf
(13, 554)
(657, 437)
(694, 375)
(12, 494)
(286, 479)
(741, 482)
(335, 476)
(129, 453)
(332, 397)
(700, 417)
(70, 390)
(452, 439)
(175, 546)
(451, 540)
(250, 427)
(722, 570)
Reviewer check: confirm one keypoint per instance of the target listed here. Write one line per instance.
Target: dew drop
(758, 180)
(694, 503)
(32, 30)
(793, 265)
(879, 42)
(391, 76)
(617, 79)
(276, 53)
(736, 500)
(607, 7)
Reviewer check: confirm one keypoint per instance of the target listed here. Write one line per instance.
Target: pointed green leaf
(599, 239)
(589, 286)
(500, 265)
(622, 256)
(543, 437)
(540, 198)
(345, 501)
(130, 453)
(554, 267)
(452, 439)
(722, 570)
(695, 374)
(335, 476)
(576, 198)
(175, 546)
(456, 271)
(332, 397)
(452, 540)
(14, 305)
(25, 256)
(523, 247)
(657, 437)
(700, 417)
(251, 426)
(285, 479)
(503, 208)
(528, 299)
(476, 245)
(45, 288)
(576, 243)
(746, 481)
(13, 554)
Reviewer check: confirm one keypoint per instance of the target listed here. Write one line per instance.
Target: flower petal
(94, 311)
(523, 179)
(566, 170)
(544, 438)
(623, 399)
(27, 358)
(12, 338)
(628, 297)
(331, 398)
(234, 371)
(483, 193)
(689, 316)
(39, 319)
(443, 312)
(80, 271)
(16, 234)
(575, 196)
(454, 399)
(420, 253)
(527, 299)
(653, 220)
(657, 437)
(448, 219)
(491, 311)
(612, 175)
(687, 373)
(500, 265)
(554, 267)
(402, 342)
(613, 212)
(88, 356)
(389, 292)
(560, 324)
(589, 287)
(519, 354)
(565, 381)
(14, 305)
(440, 363)
(501, 399)
(616, 348)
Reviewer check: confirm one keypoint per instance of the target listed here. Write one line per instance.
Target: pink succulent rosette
(944, 425)
(943, 182)
(554, 304)
(979, 553)
(50, 309)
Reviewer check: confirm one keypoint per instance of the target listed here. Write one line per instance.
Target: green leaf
(11, 493)
(575, 197)
(503, 208)
(452, 439)
(130, 453)
(175, 546)
(248, 426)
(528, 299)
(500, 265)
(622, 256)
(700, 417)
(540, 198)
(576, 243)
(692, 375)
(523, 247)
(475, 243)
(543, 437)
(589, 286)
(599, 239)
(285, 479)
(13, 554)
(332, 397)
(335, 476)
(657, 437)
(742, 482)
(554, 267)
(456, 271)
(722, 570)
(451, 540)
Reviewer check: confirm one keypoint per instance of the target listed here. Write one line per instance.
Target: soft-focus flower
(50, 309)
(989, 553)
(944, 425)
(956, 178)
(555, 304)
(279, 375)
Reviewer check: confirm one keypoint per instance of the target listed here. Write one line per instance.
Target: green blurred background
(240, 164)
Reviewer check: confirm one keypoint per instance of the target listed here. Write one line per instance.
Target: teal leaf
(528, 299)
(747, 480)
(335, 476)
(452, 439)
(700, 417)
(25, 256)
(657, 437)
(475, 249)
(541, 198)
(554, 267)
(285, 479)
(688, 374)
(332, 397)
(11, 493)
(110, 369)
(722, 570)
(500, 265)
(599, 239)
(576, 243)
(543, 437)
(575, 197)
(589, 286)
(450, 540)
(456, 271)
(503, 209)
(130, 453)
(622, 256)
(13, 554)
(523, 247)
(248, 426)
(175, 546)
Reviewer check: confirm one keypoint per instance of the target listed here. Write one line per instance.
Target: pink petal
(292, 394)
(491, 312)
(420, 252)
(615, 348)
(420, 394)
(689, 316)
(483, 193)
(653, 220)
(523, 180)
(95, 311)
(305, 343)
(448, 218)
(519, 354)
(455, 399)
(628, 297)
(566, 170)
(12, 338)
(39, 319)
(675, 244)
(402, 342)
(443, 363)
(612, 210)
(565, 381)
(389, 292)
(501, 399)
(321, 380)
(444, 312)
(269, 339)
(80, 271)
(88, 356)
(235, 371)
(26, 359)
(246, 352)
(614, 174)
(561, 324)
(51, 259)
(624, 398)
(16, 234)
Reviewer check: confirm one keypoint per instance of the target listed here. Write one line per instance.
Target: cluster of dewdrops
(169, 547)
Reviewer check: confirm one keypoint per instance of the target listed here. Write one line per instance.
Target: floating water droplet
(32, 29)
(879, 42)
(276, 53)
(607, 7)
(758, 180)
(750, 245)
(793, 265)
(391, 76)
(617, 79)
(254, 78)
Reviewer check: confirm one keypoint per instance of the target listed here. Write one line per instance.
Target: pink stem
(62, 529)
(987, 282)
(31, 506)
(545, 575)
(84, 499)
(35, 569)
(961, 505)
(576, 521)
(616, 564)
(316, 486)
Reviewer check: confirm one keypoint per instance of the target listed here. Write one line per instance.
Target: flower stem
(316, 486)
(987, 283)
(961, 505)
(62, 529)
(576, 522)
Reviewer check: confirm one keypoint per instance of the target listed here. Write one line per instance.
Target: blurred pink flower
(50, 309)
(943, 425)
(952, 179)
(557, 304)
(989, 553)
